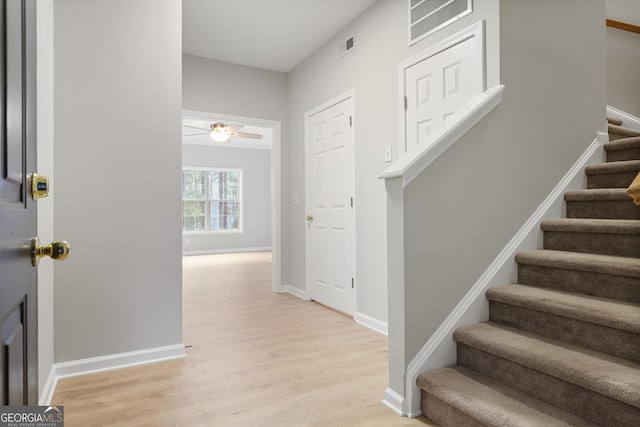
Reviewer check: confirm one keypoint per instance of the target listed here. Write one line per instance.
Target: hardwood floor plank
(256, 359)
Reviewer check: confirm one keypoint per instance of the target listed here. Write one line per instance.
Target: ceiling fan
(221, 132)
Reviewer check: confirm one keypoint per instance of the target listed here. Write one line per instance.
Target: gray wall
(220, 87)
(256, 164)
(469, 203)
(371, 69)
(623, 58)
(117, 176)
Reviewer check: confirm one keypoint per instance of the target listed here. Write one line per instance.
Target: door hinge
(350, 121)
(406, 103)
(352, 202)
(352, 283)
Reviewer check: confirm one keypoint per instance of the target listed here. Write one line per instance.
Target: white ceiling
(271, 34)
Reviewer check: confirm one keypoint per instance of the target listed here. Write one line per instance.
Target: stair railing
(623, 26)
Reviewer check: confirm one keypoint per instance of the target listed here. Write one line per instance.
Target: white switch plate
(387, 153)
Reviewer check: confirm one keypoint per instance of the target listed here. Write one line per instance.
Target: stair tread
(607, 375)
(592, 225)
(622, 144)
(612, 167)
(620, 130)
(598, 194)
(600, 311)
(493, 403)
(595, 263)
(614, 121)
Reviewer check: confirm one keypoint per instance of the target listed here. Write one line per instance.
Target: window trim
(240, 229)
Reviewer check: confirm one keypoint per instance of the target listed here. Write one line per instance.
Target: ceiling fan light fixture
(219, 137)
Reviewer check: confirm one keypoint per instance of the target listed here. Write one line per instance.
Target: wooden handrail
(623, 26)
(634, 190)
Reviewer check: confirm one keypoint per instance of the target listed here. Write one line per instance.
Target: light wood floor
(254, 359)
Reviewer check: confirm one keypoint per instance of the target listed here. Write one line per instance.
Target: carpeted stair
(561, 347)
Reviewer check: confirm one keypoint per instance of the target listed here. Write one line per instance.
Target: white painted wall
(623, 58)
(371, 69)
(117, 176)
(256, 198)
(44, 19)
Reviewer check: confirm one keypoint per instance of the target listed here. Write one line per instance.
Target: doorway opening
(270, 142)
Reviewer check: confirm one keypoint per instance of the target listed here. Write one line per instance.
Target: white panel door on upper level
(330, 234)
(436, 84)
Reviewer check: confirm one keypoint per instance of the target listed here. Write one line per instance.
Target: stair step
(619, 132)
(614, 121)
(456, 396)
(592, 385)
(603, 276)
(619, 237)
(607, 203)
(612, 174)
(623, 149)
(598, 324)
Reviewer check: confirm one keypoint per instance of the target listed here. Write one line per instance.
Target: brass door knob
(309, 218)
(57, 250)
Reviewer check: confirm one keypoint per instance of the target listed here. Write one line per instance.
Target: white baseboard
(628, 121)
(295, 292)
(372, 323)
(226, 251)
(393, 401)
(117, 361)
(49, 388)
(440, 350)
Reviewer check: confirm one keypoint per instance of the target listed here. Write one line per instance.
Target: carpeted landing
(562, 347)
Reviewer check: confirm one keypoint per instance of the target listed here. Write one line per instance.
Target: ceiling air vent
(428, 16)
(346, 46)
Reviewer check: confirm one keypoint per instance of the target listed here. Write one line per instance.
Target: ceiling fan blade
(234, 127)
(247, 135)
(196, 134)
(194, 127)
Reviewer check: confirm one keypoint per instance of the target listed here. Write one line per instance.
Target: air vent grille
(428, 16)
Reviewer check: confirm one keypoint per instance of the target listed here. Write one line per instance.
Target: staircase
(561, 347)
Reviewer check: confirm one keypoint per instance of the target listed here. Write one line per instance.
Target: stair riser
(572, 398)
(625, 245)
(614, 136)
(444, 414)
(621, 288)
(600, 338)
(609, 209)
(611, 180)
(622, 155)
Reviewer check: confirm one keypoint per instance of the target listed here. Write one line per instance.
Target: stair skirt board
(440, 351)
(628, 121)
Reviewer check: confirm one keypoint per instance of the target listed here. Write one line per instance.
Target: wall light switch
(387, 153)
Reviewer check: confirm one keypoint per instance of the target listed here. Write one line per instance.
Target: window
(211, 199)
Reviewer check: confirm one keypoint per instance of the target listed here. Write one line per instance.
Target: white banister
(414, 161)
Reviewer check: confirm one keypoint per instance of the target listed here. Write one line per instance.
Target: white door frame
(350, 94)
(276, 186)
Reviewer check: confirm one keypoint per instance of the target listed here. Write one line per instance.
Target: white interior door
(437, 87)
(330, 234)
